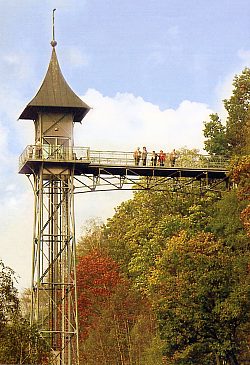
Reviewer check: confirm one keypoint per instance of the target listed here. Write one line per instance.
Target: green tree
(9, 303)
(225, 221)
(215, 133)
(138, 236)
(19, 342)
(201, 292)
(137, 221)
(241, 176)
(233, 138)
(238, 109)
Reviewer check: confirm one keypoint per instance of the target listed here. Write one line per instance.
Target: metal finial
(53, 42)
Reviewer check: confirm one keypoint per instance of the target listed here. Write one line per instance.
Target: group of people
(157, 159)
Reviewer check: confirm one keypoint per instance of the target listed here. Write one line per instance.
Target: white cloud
(3, 141)
(16, 227)
(97, 205)
(126, 121)
(119, 123)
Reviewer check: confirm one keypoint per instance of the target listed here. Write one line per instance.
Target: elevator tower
(54, 110)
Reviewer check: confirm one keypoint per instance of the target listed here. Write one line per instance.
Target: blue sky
(163, 51)
(153, 71)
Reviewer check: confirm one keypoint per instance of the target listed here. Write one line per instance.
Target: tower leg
(54, 295)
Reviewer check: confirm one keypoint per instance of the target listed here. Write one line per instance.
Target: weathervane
(53, 42)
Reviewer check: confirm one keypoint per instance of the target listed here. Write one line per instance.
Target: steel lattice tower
(54, 110)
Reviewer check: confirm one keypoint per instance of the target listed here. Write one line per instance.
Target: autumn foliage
(97, 278)
(116, 323)
(241, 177)
(167, 280)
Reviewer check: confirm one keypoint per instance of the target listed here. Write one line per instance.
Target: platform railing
(116, 158)
(54, 153)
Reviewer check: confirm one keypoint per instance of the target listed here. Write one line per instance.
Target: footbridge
(109, 170)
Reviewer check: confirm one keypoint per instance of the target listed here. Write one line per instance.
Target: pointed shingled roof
(55, 95)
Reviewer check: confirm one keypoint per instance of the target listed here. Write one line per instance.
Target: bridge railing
(54, 153)
(115, 158)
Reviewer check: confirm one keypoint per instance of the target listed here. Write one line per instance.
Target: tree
(123, 331)
(140, 234)
(136, 235)
(138, 220)
(200, 289)
(238, 120)
(215, 133)
(117, 324)
(225, 221)
(19, 342)
(241, 177)
(91, 238)
(234, 137)
(97, 276)
(9, 304)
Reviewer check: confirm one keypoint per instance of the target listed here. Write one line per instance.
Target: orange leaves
(241, 170)
(97, 273)
(200, 244)
(245, 217)
(241, 176)
(97, 277)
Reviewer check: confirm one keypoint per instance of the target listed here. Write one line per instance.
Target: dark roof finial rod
(53, 42)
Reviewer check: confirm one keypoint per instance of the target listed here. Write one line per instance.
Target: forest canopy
(170, 271)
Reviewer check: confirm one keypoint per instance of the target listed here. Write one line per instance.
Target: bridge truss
(175, 182)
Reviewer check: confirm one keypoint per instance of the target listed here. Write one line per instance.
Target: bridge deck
(85, 161)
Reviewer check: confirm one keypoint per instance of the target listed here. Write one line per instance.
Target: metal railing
(54, 153)
(116, 158)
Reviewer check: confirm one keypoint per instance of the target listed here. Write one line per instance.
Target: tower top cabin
(55, 108)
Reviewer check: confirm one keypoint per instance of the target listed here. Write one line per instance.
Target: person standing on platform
(162, 158)
(144, 156)
(173, 156)
(137, 156)
(38, 149)
(154, 158)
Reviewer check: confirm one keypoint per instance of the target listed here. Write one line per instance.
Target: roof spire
(53, 42)
(55, 95)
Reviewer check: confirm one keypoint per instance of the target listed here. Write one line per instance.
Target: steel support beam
(105, 181)
(54, 296)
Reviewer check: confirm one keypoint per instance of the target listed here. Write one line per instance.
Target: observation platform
(84, 161)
